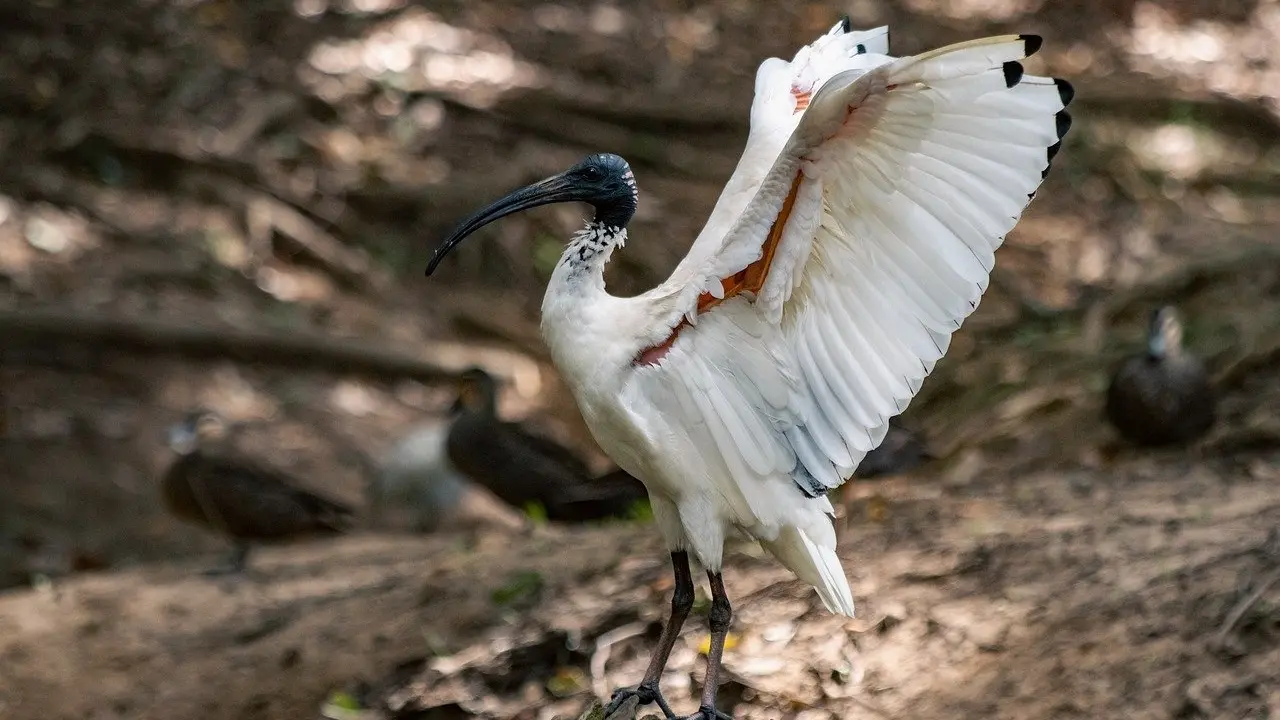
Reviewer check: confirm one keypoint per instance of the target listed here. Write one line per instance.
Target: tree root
(309, 350)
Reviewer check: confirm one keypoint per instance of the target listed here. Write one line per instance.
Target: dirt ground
(229, 205)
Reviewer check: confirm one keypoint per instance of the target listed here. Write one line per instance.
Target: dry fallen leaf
(730, 642)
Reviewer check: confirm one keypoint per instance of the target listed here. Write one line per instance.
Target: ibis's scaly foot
(719, 617)
(708, 713)
(646, 693)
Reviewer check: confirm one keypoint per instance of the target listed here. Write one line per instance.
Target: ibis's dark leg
(719, 618)
(237, 563)
(681, 603)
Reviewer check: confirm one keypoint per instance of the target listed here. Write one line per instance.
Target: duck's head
(197, 428)
(477, 392)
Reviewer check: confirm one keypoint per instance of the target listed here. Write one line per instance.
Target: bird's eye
(592, 173)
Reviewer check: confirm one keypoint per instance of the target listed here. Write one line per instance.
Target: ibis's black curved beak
(557, 188)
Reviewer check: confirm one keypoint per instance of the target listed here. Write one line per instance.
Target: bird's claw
(644, 694)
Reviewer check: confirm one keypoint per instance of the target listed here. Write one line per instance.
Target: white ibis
(1162, 396)
(856, 233)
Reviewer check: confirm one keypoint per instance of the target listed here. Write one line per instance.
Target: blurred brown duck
(902, 449)
(1162, 396)
(524, 469)
(237, 497)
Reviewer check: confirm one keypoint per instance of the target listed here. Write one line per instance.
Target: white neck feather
(576, 306)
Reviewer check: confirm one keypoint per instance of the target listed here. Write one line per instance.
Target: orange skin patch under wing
(749, 279)
(802, 100)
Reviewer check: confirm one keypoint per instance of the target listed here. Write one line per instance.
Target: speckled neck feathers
(591, 247)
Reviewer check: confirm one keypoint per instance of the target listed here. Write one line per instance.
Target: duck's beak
(1162, 333)
(555, 189)
(181, 438)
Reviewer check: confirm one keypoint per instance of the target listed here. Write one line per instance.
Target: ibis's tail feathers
(814, 564)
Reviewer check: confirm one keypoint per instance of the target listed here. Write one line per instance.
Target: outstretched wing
(783, 91)
(867, 242)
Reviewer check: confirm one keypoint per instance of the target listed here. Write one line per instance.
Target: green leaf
(640, 511)
(523, 586)
(536, 512)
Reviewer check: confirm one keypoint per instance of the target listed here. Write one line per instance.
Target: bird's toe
(642, 694)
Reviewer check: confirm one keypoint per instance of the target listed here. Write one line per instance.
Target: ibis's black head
(603, 180)
(1164, 336)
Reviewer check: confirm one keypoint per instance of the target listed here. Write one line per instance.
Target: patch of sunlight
(1077, 59)
(418, 51)
(691, 33)
(16, 255)
(607, 19)
(386, 53)
(227, 248)
(1228, 207)
(234, 397)
(371, 7)
(55, 232)
(604, 19)
(428, 114)
(1238, 59)
(309, 8)
(990, 10)
(1174, 147)
(1183, 150)
(295, 284)
(557, 18)
(1156, 33)
(354, 398)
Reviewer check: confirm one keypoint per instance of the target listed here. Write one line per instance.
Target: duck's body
(247, 502)
(523, 468)
(1162, 396)
(902, 450)
(243, 500)
(615, 494)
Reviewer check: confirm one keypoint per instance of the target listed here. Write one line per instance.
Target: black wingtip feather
(845, 24)
(1012, 73)
(1052, 152)
(1031, 43)
(1065, 91)
(1063, 119)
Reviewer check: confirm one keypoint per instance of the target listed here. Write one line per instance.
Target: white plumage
(911, 171)
(855, 235)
